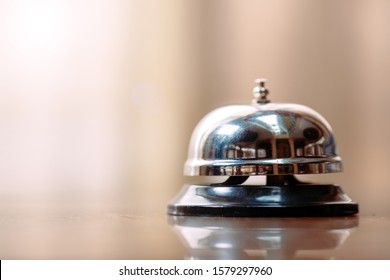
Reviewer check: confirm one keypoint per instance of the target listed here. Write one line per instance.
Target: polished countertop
(105, 234)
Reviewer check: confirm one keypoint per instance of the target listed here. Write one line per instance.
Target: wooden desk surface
(120, 235)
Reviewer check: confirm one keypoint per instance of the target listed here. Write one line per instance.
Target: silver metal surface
(260, 92)
(262, 139)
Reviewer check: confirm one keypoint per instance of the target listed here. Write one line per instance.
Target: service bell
(276, 140)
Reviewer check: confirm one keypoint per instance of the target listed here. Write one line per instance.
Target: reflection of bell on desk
(261, 238)
(277, 140)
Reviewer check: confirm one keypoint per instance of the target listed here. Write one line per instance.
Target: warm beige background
(98, 98)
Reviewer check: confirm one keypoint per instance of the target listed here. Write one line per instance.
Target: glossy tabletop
(120, 235)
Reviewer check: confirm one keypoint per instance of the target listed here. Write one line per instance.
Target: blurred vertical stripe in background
(98, 98)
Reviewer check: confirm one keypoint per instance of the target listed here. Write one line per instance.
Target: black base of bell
(301, 200)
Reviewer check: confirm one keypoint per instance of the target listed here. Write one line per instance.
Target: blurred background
(98, 99)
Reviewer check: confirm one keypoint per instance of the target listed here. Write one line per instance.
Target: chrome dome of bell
(262, 138)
